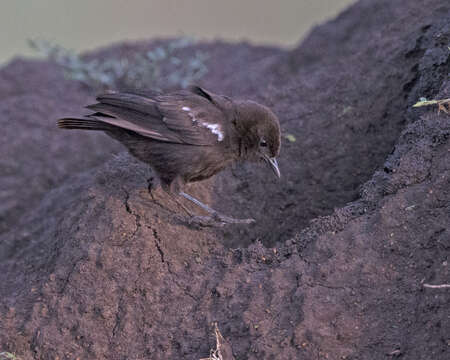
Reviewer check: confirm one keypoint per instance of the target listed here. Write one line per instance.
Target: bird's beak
(274, 165)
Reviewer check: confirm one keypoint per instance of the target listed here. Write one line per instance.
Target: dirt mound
(35, 155)
(94, 267)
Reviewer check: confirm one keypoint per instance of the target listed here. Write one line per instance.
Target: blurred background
(86, 24)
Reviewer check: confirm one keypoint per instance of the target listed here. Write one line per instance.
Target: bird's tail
(84, 124)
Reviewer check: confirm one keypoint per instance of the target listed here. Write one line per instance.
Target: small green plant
(8, 356)
(156, 69)
(289, 137)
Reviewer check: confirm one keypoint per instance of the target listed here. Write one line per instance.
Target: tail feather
(83, 124)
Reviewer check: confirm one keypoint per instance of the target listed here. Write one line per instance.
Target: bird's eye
(263, 143)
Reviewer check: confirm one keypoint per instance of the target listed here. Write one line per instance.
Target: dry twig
(443, 104)
(442, 286)
(223, 349)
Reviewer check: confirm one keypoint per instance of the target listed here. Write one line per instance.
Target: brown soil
(93, 267)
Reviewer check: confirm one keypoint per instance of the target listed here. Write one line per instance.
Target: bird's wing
(183, 118)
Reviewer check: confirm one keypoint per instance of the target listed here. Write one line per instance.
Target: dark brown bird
(186, 136)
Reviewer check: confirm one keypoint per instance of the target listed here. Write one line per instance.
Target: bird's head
(258, 129)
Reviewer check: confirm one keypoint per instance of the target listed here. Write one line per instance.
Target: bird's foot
(229, 220)
(217, 220)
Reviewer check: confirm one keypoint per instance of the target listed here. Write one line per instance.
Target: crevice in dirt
(67, 279)
(137, 217)
(173, 275)
(158, 247)
(119, 315)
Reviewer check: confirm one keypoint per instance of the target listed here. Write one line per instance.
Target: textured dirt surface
(93, 267)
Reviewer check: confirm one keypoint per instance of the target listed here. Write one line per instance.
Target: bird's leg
(214, 214)
(152, 189)
(180, 204)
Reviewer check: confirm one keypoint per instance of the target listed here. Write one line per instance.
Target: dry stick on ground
(443, 104)
(223, 348)
(442, 286)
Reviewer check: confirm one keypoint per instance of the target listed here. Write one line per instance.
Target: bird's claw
(217, 220)
(229, 220)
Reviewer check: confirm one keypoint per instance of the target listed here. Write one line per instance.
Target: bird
(186, 136)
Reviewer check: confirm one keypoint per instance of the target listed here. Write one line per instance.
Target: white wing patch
(215, 129)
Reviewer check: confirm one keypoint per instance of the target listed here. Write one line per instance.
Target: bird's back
(184, 135)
